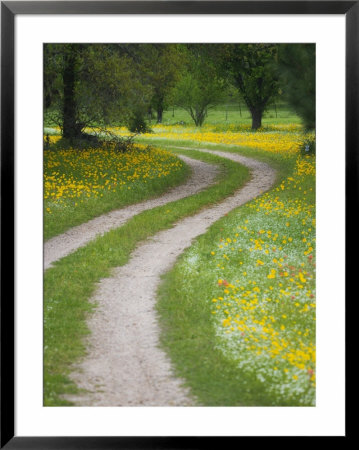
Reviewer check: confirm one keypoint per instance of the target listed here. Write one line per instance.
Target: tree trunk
(199, 117)
(159, 114)
(71, 128)
(256, 118)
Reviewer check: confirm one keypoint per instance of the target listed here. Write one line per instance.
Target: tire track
(124, 365)
(202, 176)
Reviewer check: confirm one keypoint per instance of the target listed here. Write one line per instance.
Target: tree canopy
(200, 87)
(252, 69)
(98, 85)
(297, 72)
(88, 85)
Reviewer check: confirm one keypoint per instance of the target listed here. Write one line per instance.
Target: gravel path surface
(203, 174)
(124, 365)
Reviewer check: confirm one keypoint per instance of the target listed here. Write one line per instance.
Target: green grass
(201, 300)
(283, 166)
(70, 283)
(194, 337)
(219, 116)
(83, 184)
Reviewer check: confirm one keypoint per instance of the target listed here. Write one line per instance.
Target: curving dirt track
(202, 175)
(124, 365)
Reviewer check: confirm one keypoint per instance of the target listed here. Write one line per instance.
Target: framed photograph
(142, 306)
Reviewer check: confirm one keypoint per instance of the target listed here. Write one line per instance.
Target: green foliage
(163, 64)
(252, 69)
(137, 123)
(108, 84)
(91, 84)
(297, 71)
(200, 88)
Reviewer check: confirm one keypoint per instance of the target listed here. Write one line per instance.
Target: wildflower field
(279, 139)
(237, 312)
(81, 184)
(145, 310)
(243, 306)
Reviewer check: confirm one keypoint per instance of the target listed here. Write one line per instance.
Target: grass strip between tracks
(69, 285)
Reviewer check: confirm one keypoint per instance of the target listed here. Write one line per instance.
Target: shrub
(137, 124)
(308, 146)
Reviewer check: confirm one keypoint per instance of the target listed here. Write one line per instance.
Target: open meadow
(242, 297)
(180, 241)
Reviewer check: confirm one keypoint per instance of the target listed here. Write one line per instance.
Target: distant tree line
(87, 85)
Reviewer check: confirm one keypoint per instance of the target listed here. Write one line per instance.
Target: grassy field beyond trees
(233, 114)
(133, 83)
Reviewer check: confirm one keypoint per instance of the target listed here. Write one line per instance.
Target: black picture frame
(9, 9)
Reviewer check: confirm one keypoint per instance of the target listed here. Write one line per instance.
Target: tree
(297, 68)
(159, 67)
(253, 70)
(163, 63)
(200, 88)
(72, 125)
(95, 85)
